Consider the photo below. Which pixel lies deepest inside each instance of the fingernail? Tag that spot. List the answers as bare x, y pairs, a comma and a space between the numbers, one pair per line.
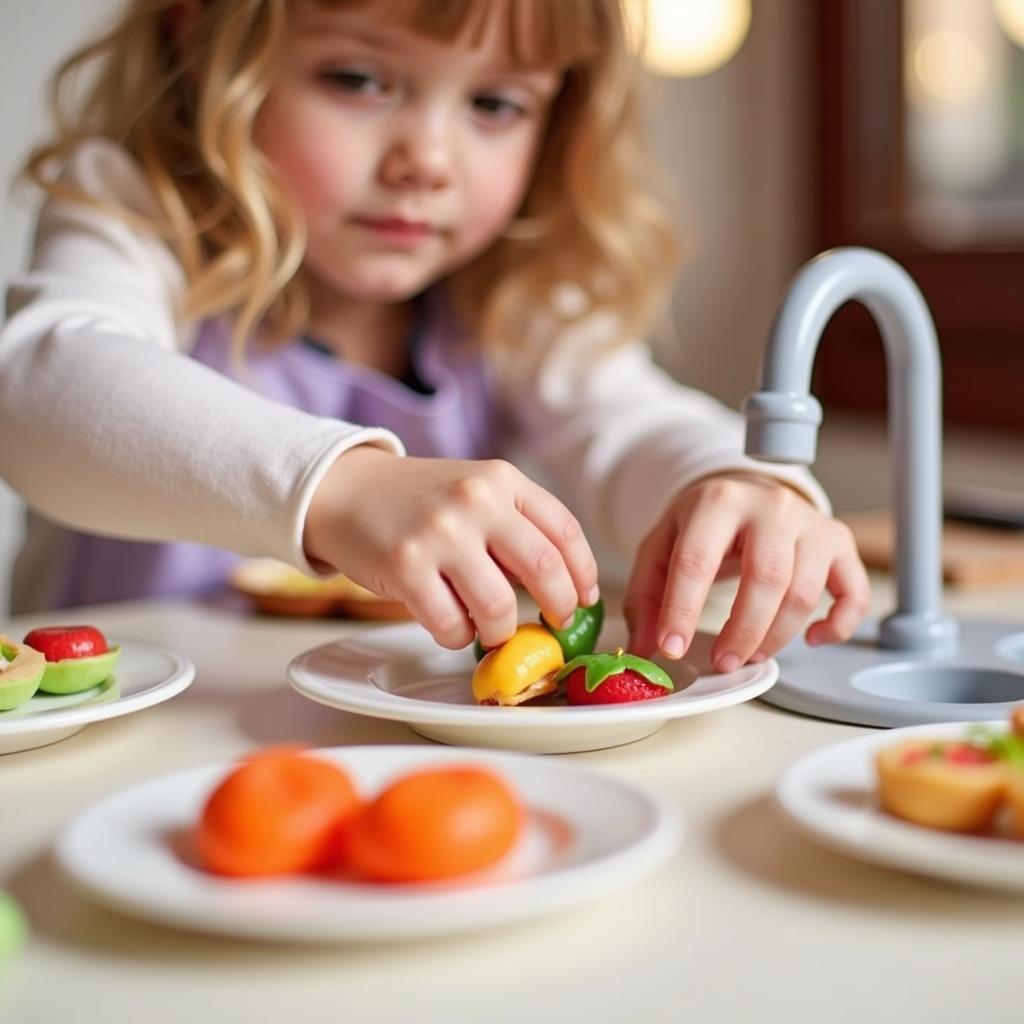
728, 662
568, 622
593, 595
673, 646
757, 657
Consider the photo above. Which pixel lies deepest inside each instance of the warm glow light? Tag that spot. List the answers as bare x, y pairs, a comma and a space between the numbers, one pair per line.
950, 67
689, 37
1010, 15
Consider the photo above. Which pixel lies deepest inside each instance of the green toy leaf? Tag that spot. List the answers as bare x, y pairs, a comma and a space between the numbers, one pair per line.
1007, 746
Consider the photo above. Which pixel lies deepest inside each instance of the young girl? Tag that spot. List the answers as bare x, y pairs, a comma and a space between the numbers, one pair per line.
307, 267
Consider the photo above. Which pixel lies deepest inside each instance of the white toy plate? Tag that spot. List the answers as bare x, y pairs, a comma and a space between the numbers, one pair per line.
400, 673
587, 835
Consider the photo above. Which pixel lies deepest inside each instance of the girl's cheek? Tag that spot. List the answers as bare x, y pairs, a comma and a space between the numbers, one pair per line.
313, 166
317, 180
495, 206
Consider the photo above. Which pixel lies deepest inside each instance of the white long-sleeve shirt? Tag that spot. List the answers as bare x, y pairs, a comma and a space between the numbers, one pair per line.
108, 426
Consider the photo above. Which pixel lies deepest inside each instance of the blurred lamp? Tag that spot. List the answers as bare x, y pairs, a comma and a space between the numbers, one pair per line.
949, 67
686, 38
1010, 15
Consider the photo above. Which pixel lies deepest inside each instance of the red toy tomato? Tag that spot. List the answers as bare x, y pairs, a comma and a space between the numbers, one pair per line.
56, 643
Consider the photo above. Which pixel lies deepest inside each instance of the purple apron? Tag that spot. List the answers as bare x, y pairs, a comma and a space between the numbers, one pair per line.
443, 409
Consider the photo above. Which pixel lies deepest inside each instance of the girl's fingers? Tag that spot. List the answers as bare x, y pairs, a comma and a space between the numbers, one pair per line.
800, 600
526, 553
433, 604
486, 594
646, 588
697, 554
768, 556
563, 530
848, 583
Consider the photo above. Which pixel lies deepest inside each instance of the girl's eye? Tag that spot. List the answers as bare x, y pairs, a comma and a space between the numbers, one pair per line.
498, 109
359, 83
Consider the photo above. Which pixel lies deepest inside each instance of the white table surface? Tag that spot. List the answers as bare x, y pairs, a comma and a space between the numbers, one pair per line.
750, 922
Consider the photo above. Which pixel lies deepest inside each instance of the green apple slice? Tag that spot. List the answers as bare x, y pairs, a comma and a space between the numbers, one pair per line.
21, 671
13, 927
73, 675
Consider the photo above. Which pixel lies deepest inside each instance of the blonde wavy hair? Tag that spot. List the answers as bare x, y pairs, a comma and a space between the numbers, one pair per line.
594, 213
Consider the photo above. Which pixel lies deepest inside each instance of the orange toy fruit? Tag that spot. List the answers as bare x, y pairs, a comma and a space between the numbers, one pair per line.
279, 812
434, 824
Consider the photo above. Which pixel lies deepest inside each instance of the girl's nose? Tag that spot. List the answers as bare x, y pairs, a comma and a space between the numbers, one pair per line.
419, 157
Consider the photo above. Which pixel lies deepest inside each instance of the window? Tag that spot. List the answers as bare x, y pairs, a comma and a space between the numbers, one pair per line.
921, 132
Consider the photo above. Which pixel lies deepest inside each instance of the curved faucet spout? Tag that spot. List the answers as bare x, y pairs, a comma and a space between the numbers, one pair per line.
783, 417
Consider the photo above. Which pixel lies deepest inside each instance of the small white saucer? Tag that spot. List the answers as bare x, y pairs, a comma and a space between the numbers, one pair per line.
831, 796
400, 673
144, 676
587, 835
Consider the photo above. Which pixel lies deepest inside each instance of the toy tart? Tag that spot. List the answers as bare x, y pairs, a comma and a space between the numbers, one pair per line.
1014, 795
1009, 747
954, 786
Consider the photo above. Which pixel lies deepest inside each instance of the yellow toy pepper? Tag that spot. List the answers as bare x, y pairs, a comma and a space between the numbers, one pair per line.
520, 669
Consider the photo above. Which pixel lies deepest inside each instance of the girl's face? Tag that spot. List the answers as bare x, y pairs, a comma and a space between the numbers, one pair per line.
408, 156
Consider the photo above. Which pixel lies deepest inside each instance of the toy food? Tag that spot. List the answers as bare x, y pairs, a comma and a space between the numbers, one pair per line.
21, 671
434, 824
955, 786
1009, 748
1014, 796
13, 927
520, 669
580, 636
278, 589
617, 678
77, 657
280, 812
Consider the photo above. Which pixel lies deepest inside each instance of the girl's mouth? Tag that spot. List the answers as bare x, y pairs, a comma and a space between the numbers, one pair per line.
397, 230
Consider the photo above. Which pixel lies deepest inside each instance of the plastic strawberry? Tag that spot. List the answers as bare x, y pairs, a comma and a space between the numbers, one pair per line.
617, 678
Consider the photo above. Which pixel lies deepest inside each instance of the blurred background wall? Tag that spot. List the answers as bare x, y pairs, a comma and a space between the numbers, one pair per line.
33, 37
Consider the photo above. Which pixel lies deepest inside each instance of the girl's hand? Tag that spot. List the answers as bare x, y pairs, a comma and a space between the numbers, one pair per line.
787, 554
444, 536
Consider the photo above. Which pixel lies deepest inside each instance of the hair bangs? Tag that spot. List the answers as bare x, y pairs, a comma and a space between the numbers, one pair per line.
540, 33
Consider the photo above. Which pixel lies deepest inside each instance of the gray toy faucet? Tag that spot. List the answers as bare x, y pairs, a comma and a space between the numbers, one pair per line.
918, 665
783, 418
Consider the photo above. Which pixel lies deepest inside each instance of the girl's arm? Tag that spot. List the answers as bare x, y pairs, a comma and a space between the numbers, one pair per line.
620, 435
659, 468
108, 426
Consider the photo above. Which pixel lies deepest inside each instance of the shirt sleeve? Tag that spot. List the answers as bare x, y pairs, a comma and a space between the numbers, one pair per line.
108, 426
620, 435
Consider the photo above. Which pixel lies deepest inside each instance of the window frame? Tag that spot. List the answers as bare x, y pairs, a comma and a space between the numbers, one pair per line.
976, 294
